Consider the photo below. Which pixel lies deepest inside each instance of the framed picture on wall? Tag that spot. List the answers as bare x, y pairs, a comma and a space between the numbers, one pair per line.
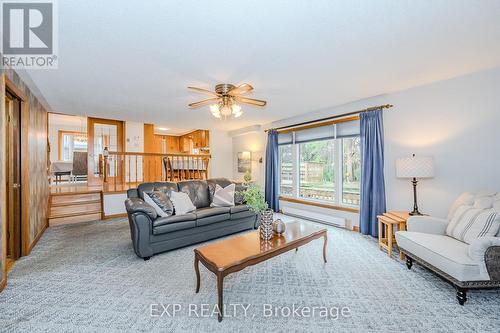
244, 162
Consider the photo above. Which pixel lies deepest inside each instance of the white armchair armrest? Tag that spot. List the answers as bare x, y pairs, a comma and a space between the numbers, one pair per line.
427, 224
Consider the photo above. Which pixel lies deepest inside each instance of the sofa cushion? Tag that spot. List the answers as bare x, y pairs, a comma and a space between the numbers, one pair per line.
173, 219
239, 208
213, 219
197, 190
211, 211
445, 253
170, 227
241, 215
165, 187
470, 223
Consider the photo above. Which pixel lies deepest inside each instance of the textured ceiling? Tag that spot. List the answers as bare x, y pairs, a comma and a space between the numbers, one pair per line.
133, 60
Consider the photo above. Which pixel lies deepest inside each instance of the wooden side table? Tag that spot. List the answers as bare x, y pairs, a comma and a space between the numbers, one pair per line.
386, 223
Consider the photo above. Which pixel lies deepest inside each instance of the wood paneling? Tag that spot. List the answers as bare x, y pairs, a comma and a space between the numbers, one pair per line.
34, 173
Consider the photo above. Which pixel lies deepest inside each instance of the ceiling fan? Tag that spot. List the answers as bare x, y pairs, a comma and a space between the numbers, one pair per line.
226, 96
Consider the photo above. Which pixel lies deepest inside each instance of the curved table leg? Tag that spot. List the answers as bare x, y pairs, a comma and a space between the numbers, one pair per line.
325, 237
220, 288
197, 270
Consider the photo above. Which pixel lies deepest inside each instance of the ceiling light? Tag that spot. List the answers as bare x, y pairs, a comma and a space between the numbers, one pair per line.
162, 128
214, 110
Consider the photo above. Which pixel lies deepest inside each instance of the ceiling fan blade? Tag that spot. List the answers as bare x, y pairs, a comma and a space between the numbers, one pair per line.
204, 91
251, 101
205, 101
241, 89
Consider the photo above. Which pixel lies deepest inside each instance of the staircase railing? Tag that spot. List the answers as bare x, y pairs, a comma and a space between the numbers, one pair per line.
135, 168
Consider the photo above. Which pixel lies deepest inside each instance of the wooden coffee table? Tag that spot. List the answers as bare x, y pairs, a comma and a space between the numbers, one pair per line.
234, 254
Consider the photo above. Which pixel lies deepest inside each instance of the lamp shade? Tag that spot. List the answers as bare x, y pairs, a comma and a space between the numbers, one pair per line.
415, 167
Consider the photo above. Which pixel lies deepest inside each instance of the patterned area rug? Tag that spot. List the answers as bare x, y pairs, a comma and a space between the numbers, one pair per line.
85, 277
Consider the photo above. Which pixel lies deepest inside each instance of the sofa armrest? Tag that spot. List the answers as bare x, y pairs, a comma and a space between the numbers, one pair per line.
137, 205
427, 225
486, 250
140, 216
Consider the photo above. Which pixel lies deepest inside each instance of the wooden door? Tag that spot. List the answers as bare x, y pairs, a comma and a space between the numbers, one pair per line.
104, 133
13, 175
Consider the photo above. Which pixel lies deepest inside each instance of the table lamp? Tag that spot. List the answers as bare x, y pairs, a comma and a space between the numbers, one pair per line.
415, 167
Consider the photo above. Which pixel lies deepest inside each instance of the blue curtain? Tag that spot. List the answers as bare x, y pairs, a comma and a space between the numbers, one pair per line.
272, 170
372, 171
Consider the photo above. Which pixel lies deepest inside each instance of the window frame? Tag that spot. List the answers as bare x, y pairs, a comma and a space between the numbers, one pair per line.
337, 203
60, 143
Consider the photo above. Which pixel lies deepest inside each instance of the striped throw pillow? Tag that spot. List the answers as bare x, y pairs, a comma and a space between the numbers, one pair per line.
469, 223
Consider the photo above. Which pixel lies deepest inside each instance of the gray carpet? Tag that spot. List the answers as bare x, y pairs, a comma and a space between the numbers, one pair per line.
85, 278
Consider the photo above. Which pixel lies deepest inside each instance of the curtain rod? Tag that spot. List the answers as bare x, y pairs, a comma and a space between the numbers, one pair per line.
385, 106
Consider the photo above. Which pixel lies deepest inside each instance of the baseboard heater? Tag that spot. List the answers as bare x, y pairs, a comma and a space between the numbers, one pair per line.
315, 217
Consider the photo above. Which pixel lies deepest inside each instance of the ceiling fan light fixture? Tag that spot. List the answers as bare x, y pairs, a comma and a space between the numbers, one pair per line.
227, 95
226, 110
214, 110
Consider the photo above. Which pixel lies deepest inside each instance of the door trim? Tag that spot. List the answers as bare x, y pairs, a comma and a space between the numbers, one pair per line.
120, 133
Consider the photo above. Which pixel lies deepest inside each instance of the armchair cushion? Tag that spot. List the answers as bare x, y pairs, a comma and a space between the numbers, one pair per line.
427, 224
445, 253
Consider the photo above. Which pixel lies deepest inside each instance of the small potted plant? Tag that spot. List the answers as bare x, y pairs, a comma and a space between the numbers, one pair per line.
255, 201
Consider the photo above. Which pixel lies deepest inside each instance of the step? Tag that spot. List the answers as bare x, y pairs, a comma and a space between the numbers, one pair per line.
75, 203
61, 199
74, 219
71, 210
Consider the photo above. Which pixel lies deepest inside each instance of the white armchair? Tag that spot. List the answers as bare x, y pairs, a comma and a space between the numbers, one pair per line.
466, 266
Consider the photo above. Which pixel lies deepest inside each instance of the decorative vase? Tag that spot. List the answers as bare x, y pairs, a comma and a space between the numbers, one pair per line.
266, 224
279, 227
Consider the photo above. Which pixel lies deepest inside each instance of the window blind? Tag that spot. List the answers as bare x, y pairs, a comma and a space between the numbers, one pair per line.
285, 138
348, 129
332, 131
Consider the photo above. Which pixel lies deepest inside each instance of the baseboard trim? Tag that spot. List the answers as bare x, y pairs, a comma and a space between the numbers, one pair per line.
114, 216
37, 238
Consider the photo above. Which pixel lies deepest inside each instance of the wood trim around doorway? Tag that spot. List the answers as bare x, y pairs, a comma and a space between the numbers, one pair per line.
3, 189
13, 89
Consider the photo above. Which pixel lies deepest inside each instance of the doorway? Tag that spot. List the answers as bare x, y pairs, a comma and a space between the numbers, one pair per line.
13, 176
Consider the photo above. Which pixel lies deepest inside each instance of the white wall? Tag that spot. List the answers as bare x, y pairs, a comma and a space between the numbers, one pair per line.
221, 149
134, 143
456, 121
254, 142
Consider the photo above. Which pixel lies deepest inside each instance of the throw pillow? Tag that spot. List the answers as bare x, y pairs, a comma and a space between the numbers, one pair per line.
182, 203
160, 202
466, 198
239, 198
470, 223
223, 197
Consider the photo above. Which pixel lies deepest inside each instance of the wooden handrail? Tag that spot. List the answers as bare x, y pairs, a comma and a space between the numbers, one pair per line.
158, 154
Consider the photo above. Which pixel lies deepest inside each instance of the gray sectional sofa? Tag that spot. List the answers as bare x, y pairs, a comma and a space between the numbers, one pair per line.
152, 234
